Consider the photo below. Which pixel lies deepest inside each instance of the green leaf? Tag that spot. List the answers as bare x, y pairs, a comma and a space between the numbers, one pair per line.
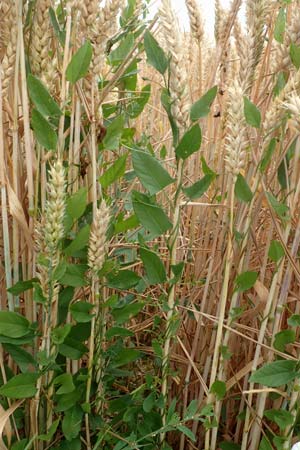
276, 251
20, 386
187, 432
280, 208
22, 286
80, 62
206, 169
122, 315
127, 224
191, 410
59, 334
51, 432
177, 270
294, 320
279, 28
246, 280
79, 242
219, 389
19, 445
275, 374
81, 311
76, 204
265, 444
149, 402
150, 172
252, 113
114, 172
282, 338
71, 424
38, 295
126, 356
61, 34
155, 54
136, 106
199, 188
190, 142
150, 215
155, 269
13, 325
118, 55
118, 331
267, 155
43, 131
65, 381
242, 190
74, 275
41, 98
280, 442
125, 279
21, 357
60, 270
295, 55
114, 133
202, 107
66, 401
282, 418
72, 348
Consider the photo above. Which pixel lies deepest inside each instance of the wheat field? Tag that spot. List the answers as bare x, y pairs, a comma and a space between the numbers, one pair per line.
149, 238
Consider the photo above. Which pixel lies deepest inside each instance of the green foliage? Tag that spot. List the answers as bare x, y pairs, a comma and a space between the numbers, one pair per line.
155, 269
246, 280
295, 55
150, 171
280, 26
13, 324
219, 389
190, 142
117, 56
294, 320
275, 374
41, 98
242, 190
114, 172
114, 133
199, 188
20, 386
155, 55
282, 418
79, 64
276, 251
150, 214
201, 108
284, 337
43, 131
252, 113
280, 208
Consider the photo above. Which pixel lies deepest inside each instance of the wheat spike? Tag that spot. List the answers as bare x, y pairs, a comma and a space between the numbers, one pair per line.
236, 126
8, 42
43, 59
55, 208
97, 243
178, 75
195, 20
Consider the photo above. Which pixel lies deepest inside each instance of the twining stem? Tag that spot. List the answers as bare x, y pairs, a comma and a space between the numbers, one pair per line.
171, 296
